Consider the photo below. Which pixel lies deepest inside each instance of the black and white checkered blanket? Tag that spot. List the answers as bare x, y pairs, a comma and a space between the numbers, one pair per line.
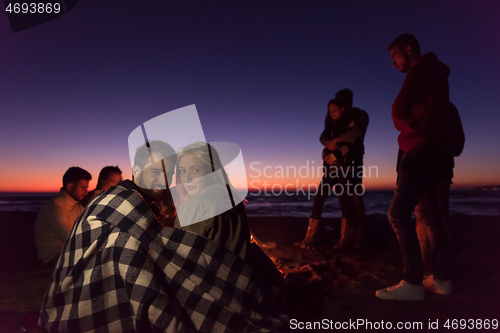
121, 271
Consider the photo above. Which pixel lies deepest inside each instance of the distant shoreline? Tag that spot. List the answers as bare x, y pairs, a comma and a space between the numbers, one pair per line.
368, 189
480, 201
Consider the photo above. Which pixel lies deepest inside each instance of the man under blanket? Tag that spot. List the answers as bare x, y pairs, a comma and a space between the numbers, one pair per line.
121, 271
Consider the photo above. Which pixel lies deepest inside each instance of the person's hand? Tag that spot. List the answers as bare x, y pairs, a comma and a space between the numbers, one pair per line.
417, 109
416, 115
167, 206
344, 150
332, 144
330, 159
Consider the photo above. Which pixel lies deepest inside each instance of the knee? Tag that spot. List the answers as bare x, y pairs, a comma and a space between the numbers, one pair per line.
394, 216
324, 190
343, 200
358, 200
346, 202
419, 215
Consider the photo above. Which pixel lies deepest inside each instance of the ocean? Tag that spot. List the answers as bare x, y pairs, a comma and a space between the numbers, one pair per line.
470, 202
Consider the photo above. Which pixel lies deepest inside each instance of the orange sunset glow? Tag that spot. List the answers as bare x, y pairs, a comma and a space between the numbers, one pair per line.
261, 177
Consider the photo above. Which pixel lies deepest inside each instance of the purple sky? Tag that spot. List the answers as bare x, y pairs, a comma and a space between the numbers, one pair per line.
259, 72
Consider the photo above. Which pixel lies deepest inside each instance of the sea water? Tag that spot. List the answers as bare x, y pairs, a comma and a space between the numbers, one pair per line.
470, 202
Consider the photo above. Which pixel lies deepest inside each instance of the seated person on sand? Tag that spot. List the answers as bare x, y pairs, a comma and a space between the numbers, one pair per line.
109, 176
121, 271
206, 208
205, 199
57, 216
202, 197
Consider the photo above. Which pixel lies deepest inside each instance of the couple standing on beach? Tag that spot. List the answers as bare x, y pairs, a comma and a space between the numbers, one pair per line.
342, 138
431, 135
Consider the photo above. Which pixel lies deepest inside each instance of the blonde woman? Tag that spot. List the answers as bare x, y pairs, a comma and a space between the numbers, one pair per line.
207, 197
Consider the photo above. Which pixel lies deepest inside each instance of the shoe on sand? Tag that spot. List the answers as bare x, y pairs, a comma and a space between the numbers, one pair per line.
403, 291
437, 286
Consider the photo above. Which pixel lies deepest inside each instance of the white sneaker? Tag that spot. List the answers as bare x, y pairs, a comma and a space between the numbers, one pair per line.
438, 286
403, 291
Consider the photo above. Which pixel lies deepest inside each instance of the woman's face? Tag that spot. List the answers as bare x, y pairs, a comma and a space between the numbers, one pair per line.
192, 170
335, 111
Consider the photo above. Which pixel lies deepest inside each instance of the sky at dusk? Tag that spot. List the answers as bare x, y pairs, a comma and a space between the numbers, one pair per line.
259, 72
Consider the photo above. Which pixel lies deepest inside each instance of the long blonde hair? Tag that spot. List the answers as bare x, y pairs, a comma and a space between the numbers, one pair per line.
210, 158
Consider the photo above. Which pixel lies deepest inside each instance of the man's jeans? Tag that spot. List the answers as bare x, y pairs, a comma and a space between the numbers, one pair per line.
417, 185
428, 234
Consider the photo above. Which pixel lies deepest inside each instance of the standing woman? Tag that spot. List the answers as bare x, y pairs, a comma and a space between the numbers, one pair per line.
336, 160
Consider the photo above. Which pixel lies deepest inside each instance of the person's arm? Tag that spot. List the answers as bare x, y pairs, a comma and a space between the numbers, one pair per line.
357, 128
350, 135
60, 222
325, 137
327, 141
414, 87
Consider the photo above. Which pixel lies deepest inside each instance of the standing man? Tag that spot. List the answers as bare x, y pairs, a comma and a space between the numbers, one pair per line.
57, 216
420, 113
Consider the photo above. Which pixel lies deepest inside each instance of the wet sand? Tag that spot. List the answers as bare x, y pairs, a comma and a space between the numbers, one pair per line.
338, 286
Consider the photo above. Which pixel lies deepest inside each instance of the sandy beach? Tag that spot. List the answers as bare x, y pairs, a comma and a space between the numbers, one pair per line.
341, 286
336, 286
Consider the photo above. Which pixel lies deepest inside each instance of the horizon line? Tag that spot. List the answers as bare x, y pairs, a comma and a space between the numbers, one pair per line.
269, 191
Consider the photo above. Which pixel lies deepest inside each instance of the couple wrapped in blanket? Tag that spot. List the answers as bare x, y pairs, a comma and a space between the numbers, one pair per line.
122, 271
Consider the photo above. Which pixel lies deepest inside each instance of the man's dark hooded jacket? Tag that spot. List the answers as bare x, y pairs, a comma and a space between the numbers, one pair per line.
419, 111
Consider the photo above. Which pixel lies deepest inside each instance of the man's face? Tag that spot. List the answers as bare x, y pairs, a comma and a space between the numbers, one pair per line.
152, 179
78, 190
400, 58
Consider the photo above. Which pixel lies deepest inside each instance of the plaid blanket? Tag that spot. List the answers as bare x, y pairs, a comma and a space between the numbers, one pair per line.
121, 271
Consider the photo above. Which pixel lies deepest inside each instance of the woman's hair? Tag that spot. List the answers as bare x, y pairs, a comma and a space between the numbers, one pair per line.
105, 174
340, 103
210, 158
